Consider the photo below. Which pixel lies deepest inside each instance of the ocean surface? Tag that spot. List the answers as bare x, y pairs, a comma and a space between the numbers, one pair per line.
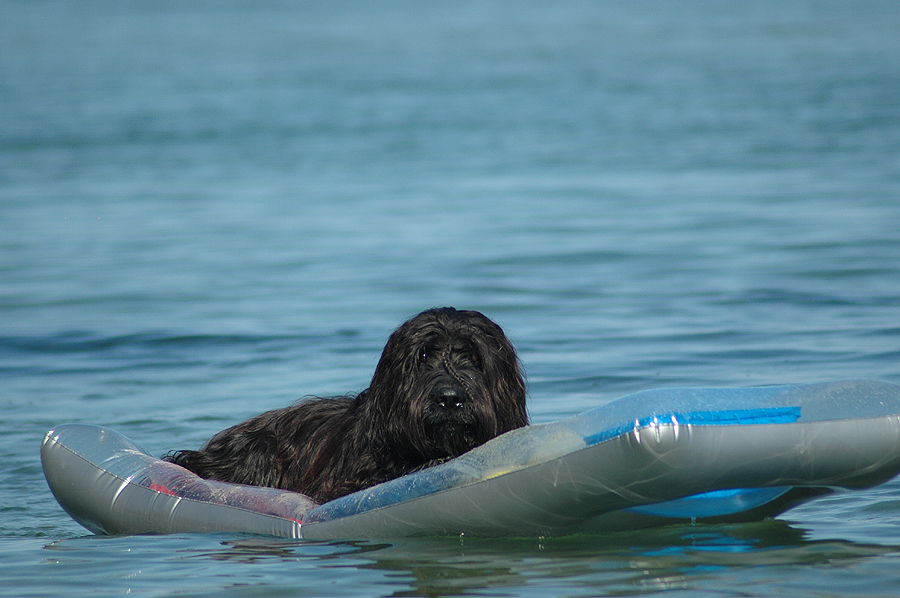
211, 209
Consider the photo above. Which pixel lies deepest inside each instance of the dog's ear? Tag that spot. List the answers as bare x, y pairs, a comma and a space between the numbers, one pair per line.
391, 405
503, 374
397, 365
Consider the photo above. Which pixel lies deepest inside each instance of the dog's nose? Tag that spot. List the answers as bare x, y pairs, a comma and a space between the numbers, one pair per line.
450, 397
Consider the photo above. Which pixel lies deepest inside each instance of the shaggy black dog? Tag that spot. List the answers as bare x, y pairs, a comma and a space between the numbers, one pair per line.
446, 382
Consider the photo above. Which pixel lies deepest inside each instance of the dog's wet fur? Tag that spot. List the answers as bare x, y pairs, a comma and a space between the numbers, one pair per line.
447, 381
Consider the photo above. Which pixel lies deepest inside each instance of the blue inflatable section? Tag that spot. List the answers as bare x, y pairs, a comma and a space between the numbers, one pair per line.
651, 458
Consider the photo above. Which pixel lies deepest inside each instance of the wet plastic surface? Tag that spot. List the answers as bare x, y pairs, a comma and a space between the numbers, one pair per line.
648, 458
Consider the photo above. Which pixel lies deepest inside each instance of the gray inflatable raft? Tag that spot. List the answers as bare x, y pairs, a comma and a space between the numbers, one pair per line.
651, 458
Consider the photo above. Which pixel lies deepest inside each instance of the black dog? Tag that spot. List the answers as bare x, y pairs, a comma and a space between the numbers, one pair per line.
446, 382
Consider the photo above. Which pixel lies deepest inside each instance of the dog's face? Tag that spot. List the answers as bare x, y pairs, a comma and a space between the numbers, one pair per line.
447, 382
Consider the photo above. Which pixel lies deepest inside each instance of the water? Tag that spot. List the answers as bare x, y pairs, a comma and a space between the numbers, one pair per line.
212, 209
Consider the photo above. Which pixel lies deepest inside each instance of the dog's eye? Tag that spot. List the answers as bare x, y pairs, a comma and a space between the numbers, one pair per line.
471, 354
423, 355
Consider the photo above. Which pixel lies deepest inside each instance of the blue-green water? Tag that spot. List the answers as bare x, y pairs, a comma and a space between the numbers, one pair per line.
209, 209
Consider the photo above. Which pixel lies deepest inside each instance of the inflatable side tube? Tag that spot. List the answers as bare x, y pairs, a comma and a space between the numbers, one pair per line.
110, 486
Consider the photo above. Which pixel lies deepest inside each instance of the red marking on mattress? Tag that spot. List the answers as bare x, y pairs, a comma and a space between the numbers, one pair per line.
160, 488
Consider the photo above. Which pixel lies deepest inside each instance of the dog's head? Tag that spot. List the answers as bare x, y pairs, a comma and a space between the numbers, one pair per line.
447, 381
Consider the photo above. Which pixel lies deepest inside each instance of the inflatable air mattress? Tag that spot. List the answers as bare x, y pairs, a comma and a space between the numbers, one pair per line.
655, 457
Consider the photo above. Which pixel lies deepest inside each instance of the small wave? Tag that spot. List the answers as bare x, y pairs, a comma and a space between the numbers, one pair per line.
85, 342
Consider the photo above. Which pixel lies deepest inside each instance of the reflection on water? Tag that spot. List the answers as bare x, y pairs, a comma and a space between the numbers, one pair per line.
633, 563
